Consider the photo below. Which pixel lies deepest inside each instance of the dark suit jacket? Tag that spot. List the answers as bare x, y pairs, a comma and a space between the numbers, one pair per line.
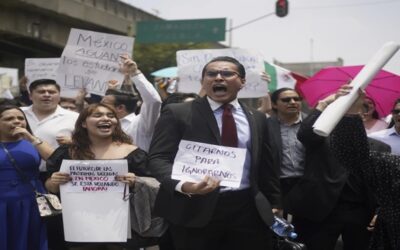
195, 121
318, 191
274, 135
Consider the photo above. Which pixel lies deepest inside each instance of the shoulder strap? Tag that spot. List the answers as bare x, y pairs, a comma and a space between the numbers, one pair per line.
19, 170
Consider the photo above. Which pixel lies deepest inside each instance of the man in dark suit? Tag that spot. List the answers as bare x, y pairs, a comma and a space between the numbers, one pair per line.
204, 215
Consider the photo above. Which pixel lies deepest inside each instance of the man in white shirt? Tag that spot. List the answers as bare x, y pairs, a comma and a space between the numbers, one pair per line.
391, 136
49, 121
139, 127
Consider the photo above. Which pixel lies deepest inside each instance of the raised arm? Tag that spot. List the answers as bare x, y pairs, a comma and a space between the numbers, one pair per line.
150, 109
44, 149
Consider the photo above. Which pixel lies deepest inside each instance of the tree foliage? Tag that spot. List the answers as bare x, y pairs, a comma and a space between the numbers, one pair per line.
152, 57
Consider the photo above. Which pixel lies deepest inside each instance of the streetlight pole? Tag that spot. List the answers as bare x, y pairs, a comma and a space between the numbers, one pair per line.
230, 32
244, 24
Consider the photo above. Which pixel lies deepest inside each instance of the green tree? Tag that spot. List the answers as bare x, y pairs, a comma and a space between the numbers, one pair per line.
152, 57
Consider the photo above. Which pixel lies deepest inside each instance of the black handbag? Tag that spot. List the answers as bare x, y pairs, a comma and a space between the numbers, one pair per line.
286, 244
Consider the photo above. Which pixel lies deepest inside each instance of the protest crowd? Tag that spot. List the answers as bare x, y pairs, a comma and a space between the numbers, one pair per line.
137, 164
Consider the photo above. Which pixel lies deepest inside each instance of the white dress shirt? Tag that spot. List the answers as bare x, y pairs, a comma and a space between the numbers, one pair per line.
390, 137
141, 127
61, 122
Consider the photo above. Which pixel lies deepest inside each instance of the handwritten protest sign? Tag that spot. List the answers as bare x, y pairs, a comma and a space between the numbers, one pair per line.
41, 68
195, 160
191, 62
90, 59
93, 205
93, 178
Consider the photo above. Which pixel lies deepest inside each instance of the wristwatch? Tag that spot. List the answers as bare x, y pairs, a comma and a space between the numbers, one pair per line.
37, 142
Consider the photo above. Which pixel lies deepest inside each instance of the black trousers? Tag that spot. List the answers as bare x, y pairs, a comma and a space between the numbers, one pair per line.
286, 185
349, 220
235, 225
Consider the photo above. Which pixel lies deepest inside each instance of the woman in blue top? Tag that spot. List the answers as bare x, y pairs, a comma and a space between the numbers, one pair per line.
21, 227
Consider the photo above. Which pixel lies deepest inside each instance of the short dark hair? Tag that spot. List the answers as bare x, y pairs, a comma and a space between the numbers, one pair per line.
178, 97
124, 98
5, 101
39, 82
242, 71
276, 93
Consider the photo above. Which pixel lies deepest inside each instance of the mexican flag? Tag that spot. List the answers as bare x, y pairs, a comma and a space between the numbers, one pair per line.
281, 77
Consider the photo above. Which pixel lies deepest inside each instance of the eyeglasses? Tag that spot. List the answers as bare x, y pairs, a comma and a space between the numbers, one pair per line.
224, 73
288, 99
396, 111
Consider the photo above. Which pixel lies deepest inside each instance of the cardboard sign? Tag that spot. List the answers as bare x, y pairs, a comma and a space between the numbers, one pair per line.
191, 63
90, 59
93, 206
41, 68
195, 160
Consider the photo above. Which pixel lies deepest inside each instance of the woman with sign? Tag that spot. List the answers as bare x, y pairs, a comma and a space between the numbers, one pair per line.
97, 136
20, 154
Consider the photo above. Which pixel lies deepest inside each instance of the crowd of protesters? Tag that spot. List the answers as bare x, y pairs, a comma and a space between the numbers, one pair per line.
342, 185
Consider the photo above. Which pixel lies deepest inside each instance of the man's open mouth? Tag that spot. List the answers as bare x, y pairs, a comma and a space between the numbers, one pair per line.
220, 88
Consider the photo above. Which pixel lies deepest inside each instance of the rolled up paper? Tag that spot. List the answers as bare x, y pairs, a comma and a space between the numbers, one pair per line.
328, 120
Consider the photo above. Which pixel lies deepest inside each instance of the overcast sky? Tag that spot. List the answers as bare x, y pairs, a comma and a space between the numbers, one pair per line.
314, 30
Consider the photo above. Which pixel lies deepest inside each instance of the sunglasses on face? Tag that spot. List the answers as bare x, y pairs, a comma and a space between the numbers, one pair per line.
222, 73
395, 111
288, 99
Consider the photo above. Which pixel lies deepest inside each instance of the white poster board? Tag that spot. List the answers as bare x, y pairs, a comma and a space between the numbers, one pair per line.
8, 80
195, 160
90, 59
93, 205
41, 68
191, 62
12, 74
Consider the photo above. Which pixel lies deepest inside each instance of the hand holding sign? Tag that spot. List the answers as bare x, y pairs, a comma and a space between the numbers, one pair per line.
128, 178
342, 91
113, 84
207, 185
197, 162
57, 179
357, 107
128, 66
